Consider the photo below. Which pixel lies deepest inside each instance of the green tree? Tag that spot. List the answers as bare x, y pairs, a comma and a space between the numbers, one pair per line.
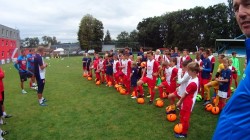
31, 42
51, 40
90, 33
107, 38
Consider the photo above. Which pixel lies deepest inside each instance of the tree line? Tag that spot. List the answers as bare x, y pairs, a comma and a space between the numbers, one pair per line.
32, 42
185, 28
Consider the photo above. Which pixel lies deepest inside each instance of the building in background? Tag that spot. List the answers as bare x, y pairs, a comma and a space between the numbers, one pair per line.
9, 44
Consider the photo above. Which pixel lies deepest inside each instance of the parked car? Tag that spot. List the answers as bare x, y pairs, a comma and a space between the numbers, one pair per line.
81, 52
91, 51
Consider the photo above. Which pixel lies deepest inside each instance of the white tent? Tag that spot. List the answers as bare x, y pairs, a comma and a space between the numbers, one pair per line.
59, 50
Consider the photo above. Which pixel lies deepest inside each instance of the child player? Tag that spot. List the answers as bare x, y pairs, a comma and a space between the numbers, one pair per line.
116, 69
171, 76
205, 73
187, 100
100, 70
84, 64
30, 65
224, 81
134, 77
234, 75
183, 79
109, 70
88, 65
149, 76
126, 71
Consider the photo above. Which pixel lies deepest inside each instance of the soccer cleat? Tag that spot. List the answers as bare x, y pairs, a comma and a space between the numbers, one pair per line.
133, 97
44, 100
206, 102
4, 133
148, 96
43, 104
24, 92
180, 135
171, 112
7, 116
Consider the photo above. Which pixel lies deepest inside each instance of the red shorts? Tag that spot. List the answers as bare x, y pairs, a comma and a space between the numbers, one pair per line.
151, 82
204, 82
234, 75
169, 88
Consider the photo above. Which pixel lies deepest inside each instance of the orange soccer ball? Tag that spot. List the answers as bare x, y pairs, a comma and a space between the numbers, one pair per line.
143, 64
89, 78
208, 107
171, 117
215, 110
98, 82
116, 85
168, 109
159, 103
109, 83
178, 128
140, 100
122, 91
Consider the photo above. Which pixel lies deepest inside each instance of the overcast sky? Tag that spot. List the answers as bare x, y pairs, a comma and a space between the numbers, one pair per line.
61, 18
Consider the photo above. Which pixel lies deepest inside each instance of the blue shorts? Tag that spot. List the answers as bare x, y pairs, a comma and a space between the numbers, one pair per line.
40, 84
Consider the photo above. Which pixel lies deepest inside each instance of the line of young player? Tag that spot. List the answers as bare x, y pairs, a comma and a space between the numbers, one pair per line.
182, 77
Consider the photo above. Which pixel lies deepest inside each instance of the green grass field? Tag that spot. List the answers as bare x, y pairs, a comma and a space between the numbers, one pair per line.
78, 109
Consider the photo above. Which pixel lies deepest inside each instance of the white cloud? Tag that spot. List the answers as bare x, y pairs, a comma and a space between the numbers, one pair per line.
61, 18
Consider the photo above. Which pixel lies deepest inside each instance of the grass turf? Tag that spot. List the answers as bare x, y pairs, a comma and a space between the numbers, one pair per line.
78, 109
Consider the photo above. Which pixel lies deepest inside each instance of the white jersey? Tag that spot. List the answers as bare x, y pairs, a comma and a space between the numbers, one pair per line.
124, 63
42, 71
168, 73
183, 79
165, 58
100, 64
196, 81
114, 65
199, 62
150, 67
157, 56
178, 62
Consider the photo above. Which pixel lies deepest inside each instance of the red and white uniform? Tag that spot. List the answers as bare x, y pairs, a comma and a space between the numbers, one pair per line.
171, 76
212, 59
157, 58
188, 103
178, 65
198, 61
152, 67
116, 70
165, 58
184, 58
126, 71
100, 65
183, 79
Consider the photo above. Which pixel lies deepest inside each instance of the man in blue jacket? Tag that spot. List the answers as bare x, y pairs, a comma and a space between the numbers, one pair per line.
234, 121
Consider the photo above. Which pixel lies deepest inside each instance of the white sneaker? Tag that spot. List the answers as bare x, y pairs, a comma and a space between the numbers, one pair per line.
34, 87
23, 91
133, 97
